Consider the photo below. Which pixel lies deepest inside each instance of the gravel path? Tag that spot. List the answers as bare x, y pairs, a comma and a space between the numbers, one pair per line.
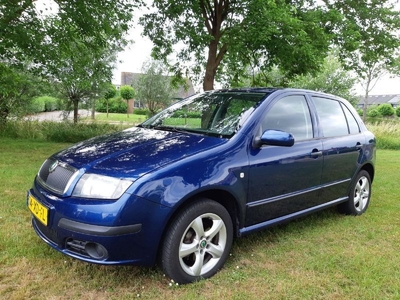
57, 116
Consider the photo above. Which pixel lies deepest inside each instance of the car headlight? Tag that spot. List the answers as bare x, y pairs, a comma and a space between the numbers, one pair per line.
100, 187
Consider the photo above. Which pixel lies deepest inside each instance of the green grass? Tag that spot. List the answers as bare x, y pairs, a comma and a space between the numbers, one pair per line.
118, 118
387, 134
322, 256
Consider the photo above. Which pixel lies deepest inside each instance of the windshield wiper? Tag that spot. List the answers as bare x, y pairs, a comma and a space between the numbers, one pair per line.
168, 128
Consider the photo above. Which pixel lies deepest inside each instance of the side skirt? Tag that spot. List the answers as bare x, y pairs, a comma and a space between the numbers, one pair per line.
287, 218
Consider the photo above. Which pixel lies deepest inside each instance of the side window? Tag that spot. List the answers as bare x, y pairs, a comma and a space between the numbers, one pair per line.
331, 117
351, 121
290, 114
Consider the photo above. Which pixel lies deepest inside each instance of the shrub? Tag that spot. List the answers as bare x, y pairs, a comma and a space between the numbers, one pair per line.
385, 110
373, 113
55, 131
141, 111
360, 112
115, 105
51, 103
398, 111
187, 114
37, 105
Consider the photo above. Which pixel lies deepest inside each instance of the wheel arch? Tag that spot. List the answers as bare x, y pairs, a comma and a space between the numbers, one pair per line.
370, 169
223, 197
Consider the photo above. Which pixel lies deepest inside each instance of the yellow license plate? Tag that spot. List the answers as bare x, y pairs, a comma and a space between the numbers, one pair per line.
39, 211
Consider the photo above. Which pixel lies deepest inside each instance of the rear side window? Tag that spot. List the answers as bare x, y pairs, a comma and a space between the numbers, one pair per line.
331, 116
353, 125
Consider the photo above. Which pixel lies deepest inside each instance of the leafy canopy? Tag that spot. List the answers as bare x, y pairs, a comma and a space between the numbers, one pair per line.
293, 34
153, 87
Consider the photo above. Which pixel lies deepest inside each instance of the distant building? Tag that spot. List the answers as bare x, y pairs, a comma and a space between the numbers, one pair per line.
393, 100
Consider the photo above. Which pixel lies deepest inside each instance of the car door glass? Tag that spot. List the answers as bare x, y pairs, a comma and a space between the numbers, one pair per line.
351, 121
331, 117
290, 114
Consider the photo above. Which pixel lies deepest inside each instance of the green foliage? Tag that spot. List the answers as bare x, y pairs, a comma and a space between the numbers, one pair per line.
110, 91
51, 103
331, 78
54, 131
115, 105
368, 35
238, 34
43, 103
373, 113
386, 110
17, 87
127, 92
398, 111
141, 111
368, 38
97, 23
75, 44
37, 105
187, 114
153, 87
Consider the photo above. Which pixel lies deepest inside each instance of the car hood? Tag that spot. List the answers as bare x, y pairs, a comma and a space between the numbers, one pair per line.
134, 152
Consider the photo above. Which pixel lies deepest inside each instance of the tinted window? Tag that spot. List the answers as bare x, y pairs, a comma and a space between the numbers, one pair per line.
331, 117
353, 125
290, 114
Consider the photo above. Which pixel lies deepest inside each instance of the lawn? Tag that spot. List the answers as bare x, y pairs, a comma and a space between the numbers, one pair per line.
131, 119
322, 256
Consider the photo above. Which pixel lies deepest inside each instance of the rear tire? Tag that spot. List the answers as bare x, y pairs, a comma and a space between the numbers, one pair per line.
198, 242
359, 196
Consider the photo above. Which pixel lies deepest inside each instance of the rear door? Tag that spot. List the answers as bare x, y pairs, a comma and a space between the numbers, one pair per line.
342, 141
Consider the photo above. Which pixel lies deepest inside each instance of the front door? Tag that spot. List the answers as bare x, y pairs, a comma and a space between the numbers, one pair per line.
284, 180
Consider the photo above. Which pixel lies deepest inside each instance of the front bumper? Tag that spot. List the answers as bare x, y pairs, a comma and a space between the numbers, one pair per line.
127, 231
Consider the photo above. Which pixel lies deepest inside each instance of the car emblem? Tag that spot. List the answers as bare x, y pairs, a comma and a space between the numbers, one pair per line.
53, 166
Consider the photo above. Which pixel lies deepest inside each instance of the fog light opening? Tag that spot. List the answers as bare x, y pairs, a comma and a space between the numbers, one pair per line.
96, 251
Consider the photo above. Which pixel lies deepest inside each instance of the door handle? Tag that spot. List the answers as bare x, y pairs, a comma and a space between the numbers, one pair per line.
358, 146
315, 153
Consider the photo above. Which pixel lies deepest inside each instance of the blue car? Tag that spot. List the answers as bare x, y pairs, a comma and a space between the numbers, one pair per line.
178, 188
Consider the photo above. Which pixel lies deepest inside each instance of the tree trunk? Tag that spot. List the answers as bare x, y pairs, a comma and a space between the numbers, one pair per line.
3, 116
93, 109
107, 108
76, 102
211, 67
366, 98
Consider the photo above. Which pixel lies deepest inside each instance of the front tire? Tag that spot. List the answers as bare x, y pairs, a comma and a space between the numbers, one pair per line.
198, 242
359, 196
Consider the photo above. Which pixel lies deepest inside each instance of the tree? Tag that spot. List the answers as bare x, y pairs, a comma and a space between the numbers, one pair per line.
332, 79
75, 45
109, 93
18, 87
80, 70
127, 92
22, 33
368, 38
154, 87
292, 34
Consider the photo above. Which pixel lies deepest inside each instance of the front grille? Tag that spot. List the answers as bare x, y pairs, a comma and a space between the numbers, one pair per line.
55, 175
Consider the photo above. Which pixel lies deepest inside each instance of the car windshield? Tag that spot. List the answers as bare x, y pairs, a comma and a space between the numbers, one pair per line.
212, 113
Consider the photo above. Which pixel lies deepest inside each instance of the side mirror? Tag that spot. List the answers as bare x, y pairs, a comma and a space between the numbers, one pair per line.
274, 138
